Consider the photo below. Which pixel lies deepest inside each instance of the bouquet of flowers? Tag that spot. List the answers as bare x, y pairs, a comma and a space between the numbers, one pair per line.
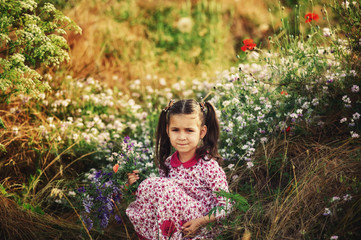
108, 187
128, 160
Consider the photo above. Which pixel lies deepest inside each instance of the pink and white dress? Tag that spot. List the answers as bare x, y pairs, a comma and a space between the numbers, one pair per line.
164, 203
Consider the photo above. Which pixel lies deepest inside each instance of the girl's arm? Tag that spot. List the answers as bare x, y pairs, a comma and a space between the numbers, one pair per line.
216, 180
191, 227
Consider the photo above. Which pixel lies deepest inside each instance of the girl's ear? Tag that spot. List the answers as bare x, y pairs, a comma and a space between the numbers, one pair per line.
203, 131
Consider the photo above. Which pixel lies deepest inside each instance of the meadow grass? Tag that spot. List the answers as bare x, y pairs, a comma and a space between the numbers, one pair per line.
143, 59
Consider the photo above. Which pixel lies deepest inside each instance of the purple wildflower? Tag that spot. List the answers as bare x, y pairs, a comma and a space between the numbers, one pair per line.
81, 190
104, 219
126, 139
87, 203
118, 219
355, 88
327, 212
329, 80
109, 204
88, 222
98, 175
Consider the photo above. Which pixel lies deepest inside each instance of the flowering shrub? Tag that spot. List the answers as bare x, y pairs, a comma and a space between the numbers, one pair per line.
253, 111
99, 119
31, 35
285, 92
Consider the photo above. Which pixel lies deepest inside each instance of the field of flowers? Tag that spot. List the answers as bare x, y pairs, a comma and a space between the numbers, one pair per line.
288, 100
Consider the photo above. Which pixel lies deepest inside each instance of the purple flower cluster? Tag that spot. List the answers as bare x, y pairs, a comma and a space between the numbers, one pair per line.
99, 199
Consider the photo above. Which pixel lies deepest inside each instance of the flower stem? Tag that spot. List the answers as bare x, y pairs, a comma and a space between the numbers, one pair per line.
125, 227
82, 222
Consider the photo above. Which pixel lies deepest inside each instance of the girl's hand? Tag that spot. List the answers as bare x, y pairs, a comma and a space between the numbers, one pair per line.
191, 227
133, 177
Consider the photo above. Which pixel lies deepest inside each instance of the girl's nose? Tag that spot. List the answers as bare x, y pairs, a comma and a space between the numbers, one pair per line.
182, 136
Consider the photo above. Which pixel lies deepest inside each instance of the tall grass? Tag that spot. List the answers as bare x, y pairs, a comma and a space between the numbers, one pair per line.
294, 183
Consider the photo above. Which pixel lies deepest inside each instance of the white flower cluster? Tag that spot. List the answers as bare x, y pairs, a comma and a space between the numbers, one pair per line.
48, 7
28, 5
17, 58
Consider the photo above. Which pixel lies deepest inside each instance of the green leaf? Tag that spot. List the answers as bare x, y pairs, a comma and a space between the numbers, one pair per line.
2, 148
3, 191
2, 125
38, 210
240, 202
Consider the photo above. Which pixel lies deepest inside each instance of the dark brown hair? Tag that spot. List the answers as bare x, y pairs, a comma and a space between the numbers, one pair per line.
208, 117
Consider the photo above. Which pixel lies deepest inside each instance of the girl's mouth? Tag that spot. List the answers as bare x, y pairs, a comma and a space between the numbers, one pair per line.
182, 144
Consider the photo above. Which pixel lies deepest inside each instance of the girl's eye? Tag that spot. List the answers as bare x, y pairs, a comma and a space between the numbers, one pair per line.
174, 130
190, 130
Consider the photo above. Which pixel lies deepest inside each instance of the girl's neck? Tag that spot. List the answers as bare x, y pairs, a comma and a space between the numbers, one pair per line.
185, 157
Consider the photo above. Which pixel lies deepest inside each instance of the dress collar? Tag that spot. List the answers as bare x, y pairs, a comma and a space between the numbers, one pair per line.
175, 162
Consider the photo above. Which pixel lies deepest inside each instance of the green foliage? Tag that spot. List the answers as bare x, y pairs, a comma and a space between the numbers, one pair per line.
21, 201
240, 203
190, 32
30, 36
2, 125
349, 13
3, 191
35, 209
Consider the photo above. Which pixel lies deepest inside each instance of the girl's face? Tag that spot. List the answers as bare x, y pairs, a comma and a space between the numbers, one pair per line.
185, 132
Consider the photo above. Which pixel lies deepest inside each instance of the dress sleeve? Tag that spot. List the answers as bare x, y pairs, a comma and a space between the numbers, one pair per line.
216, 180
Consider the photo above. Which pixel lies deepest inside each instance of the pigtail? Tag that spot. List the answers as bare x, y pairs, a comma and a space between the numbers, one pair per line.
162, 145
210, 140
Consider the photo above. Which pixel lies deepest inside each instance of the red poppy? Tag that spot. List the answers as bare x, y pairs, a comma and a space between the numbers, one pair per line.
168, 228
284, 92
116, 167
288, 129
248, 44
311, 16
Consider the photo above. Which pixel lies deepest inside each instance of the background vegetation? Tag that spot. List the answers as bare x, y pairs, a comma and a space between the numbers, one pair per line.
289, 110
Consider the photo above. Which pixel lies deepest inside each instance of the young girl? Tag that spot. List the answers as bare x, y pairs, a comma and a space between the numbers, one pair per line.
176, 205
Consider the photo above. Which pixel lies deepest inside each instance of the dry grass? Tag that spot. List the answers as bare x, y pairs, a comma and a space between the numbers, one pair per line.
21, 140
29, 163
19, 224
16, 223
290, 201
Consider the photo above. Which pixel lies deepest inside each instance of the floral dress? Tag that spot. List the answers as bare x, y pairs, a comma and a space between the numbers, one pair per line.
165, 203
